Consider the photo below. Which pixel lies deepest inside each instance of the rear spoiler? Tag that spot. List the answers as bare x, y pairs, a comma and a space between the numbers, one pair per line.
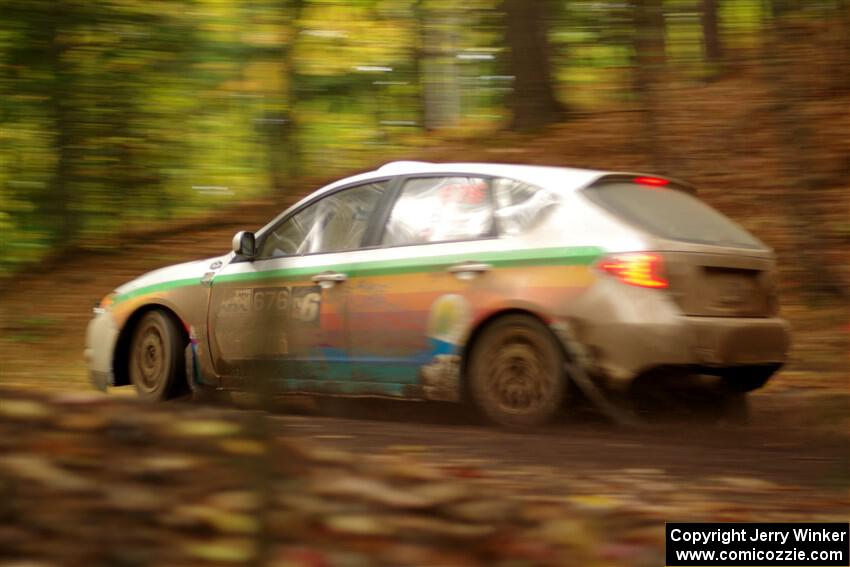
645, 179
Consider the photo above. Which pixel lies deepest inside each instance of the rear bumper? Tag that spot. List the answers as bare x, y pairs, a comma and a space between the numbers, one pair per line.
623, 350
101, 335
628, 331
736, 341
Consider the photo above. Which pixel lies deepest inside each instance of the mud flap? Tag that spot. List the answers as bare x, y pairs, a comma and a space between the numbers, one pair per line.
441, 379
193, 375
101, 380
576, 365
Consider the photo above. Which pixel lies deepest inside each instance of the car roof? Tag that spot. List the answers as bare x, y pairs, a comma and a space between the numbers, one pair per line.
564, 178
555, 178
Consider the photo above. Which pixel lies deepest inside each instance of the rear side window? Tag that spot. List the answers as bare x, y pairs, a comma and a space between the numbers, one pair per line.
441, 209
671, 214
520, 206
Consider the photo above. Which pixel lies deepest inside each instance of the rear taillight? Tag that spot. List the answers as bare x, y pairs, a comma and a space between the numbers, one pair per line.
643, 269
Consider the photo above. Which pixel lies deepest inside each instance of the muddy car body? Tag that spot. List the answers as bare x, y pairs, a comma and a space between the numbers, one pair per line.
456, 282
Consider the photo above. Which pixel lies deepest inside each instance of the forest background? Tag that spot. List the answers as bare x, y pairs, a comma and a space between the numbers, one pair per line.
125, 121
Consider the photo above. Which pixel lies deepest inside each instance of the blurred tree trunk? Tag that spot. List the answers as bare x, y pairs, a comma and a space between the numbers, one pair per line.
282, 125
58, 202
533, 101
418, 56
779, 8
291, 126
650, 48
650, 36
842, 75
437, 65
711, 32
790, 90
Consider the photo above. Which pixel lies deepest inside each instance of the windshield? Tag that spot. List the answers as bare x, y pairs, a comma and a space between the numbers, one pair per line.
671, 214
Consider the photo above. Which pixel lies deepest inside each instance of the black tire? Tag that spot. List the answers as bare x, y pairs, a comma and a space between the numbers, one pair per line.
156, 357
516, 372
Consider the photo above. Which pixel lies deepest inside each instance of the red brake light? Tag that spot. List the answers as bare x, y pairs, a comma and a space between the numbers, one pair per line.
651, 181
643, 269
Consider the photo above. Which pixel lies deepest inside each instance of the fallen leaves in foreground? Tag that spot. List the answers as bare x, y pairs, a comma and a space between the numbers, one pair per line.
105, 481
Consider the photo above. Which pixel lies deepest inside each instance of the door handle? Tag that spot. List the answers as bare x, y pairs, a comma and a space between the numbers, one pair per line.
328, 279
469, 268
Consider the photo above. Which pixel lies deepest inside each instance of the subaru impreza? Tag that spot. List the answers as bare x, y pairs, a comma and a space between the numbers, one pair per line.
500, 285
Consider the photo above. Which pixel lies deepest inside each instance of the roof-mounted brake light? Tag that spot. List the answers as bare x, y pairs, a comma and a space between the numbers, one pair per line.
651, 181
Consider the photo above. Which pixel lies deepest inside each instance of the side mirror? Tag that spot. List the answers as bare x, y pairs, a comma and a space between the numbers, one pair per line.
244, 245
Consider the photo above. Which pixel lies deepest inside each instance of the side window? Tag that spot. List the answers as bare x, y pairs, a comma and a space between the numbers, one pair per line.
441, 209
333, 224
519, 206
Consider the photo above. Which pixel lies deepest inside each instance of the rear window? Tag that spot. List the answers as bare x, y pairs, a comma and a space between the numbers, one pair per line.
671, 214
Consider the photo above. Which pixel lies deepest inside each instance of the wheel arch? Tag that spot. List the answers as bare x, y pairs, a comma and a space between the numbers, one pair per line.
121, 355
478, 329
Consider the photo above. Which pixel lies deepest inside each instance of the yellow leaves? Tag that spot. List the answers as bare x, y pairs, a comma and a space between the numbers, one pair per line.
43, 471
370, 490
491, 510
410, 448
235, 500
225, 521
319, 454
357, 525
373, 525
746, 483
401, 467
23, 409
439, 493
246, 447
567, 531
172, 463
596, 501
434, 527
125, 496
224, 550
205, 428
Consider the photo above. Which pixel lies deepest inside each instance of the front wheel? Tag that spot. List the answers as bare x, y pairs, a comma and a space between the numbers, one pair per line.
516, 372
156, 357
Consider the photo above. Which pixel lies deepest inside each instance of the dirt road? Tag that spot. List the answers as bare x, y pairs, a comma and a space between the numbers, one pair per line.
764, 450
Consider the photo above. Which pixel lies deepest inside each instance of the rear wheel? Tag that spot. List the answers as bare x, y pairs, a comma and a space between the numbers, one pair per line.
156, 357
516, 372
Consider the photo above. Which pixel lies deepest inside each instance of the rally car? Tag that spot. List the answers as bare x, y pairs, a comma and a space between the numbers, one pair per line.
501, 285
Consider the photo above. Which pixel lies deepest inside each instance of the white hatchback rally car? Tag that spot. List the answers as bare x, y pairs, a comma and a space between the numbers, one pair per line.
498, 284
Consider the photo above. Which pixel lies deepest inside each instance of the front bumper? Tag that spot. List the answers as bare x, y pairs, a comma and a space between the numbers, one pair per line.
101, 336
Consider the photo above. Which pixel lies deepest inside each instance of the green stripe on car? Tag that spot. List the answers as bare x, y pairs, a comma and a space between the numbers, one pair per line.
559, 256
